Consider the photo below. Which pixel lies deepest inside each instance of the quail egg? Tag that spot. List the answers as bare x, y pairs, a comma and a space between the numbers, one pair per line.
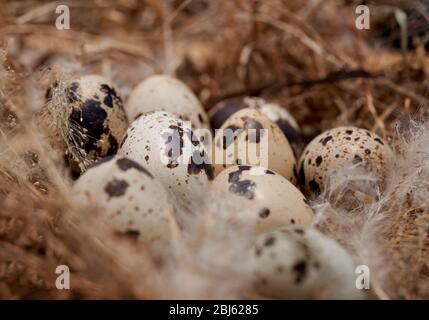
287, 123
131, 200
165, 93
97, 120
250, 138
340, 147
167, 146
274, 201
302, 263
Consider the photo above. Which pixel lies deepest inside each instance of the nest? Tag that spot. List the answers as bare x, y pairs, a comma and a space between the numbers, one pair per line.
306, 55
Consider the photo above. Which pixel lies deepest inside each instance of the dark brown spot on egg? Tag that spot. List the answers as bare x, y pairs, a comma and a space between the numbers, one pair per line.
267, 171
291, 134
367, 151
235, 175
300, 269
111, 95
324, 141
243, 188
132, 234
200, 117
125, 164
299, 231
91, 117
116, 188
349, 132
269, 241
379, 141
264, 213
255, 133
357, 159
319, 160
226, 109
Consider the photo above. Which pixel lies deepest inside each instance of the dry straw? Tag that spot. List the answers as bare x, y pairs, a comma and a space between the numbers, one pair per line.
306, 55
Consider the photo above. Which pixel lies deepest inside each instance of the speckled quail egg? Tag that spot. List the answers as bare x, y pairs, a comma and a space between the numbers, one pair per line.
340, 147
165, 93
167, 146
250, 138
131, 200
96, 111
287, 123
274, 201
302, 263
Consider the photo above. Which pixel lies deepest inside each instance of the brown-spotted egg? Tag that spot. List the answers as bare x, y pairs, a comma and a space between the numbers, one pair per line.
273, 200
130, 199
302, 263
96, 111
168, 147
250, 138
165, 93
341, 147
280, 116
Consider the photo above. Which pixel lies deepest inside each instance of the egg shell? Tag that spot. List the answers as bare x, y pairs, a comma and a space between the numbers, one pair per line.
302, 263
274, 201
165, 145
280, 157
131, 201
165, 93
341, 147
280, 116
97, 110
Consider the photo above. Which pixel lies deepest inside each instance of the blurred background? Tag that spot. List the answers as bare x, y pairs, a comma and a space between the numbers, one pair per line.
306, 54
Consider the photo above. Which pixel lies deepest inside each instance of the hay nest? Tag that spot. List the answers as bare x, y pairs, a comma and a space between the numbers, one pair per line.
306, 55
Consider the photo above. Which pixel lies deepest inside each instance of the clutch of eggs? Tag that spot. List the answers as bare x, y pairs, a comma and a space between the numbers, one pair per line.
341, 147
250, 138
131, 200
268, 200
302, 263
165, 93
280, 116
165, 145
96, 117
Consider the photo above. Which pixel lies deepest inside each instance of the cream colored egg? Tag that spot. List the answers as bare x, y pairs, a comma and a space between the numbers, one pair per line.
164, 144
302, 263
280, 116
267, 198
250, 138
97, 120
130, 199
165, 93
339, 148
